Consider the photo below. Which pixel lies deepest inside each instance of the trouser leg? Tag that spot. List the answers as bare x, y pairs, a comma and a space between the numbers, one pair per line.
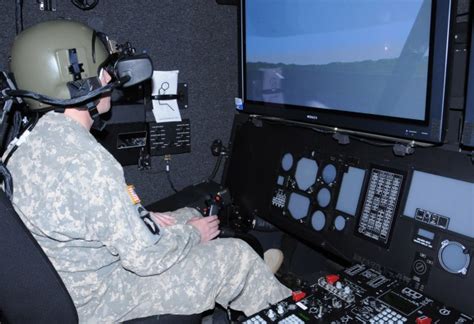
252, 287
226, 271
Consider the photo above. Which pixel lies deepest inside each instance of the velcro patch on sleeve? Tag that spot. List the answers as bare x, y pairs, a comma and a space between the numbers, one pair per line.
133, 195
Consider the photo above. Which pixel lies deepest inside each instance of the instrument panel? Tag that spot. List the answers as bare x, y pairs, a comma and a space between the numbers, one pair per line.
358, 295
412, 217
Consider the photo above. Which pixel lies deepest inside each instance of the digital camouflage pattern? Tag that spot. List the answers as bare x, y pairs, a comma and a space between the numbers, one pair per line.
71, 194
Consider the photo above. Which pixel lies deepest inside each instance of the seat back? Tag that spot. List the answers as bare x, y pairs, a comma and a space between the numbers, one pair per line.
31, 290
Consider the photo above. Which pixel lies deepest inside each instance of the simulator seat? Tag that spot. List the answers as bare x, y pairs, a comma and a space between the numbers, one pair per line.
31, 290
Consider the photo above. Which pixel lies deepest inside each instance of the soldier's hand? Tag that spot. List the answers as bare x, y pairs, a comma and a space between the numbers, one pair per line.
208, 227
163, 220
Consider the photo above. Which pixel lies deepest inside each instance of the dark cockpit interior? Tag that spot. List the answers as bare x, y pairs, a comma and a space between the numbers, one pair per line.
339, 132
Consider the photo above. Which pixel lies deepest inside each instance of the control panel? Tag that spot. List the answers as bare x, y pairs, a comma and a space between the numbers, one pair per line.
359, 294
380, 205
412, 216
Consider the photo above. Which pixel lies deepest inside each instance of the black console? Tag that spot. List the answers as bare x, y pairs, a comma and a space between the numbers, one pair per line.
411, 217
359, 294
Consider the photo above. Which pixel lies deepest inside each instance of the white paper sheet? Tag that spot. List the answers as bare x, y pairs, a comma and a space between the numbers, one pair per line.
165, 83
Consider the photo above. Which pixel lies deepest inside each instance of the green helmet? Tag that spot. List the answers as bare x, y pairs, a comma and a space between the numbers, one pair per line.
46, 56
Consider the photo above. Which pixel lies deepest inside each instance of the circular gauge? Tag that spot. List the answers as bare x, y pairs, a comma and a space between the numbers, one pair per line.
287, 161
318, 220
340, 223
324, 197
454, 257
329, 173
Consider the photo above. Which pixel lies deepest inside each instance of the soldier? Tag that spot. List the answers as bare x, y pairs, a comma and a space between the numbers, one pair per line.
117, 261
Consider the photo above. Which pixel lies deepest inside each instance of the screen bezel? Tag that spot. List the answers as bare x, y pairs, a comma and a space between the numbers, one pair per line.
431, 130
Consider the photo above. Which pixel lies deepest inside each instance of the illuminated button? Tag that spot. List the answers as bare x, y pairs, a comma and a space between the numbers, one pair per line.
423, 320
332, 278
298, 295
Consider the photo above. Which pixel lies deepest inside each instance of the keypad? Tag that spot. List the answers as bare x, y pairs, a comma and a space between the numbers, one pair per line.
255, 320
292, 319
388, 316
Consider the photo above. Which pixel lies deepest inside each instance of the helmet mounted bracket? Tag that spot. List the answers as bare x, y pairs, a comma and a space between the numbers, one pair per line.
81, 87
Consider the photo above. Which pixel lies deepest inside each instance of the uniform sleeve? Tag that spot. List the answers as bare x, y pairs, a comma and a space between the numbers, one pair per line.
109, 216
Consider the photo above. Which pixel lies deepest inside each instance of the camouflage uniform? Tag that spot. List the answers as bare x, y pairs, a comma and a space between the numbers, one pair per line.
72, 195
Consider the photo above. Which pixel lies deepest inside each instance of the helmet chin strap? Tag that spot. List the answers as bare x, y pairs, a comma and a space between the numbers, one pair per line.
81, 87
98, 123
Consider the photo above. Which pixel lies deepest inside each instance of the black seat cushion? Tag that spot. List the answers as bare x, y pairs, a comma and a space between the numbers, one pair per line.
31, 291
167, 319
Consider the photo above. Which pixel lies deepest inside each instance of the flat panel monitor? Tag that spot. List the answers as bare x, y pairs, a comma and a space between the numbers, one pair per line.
468, 128
375, 66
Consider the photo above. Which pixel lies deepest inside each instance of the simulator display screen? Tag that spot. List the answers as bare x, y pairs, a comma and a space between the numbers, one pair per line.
361, 56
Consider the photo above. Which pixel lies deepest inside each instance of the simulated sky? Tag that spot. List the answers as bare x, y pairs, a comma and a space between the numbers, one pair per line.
324, 31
